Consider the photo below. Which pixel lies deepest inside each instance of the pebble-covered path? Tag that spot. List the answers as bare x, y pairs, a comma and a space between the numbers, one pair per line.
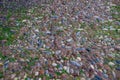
63, 41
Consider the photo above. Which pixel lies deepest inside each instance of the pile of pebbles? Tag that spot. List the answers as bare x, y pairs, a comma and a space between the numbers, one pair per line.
54, 46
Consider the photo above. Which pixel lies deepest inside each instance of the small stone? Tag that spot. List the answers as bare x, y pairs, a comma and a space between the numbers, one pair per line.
37, 30
78, 58
39, 79
54, 64
13, 75
92, 66
69, 40
117, 61
82, 79
24, 20
111, 64
117, 48
67, 69
15, 78
118, 68
62, 61
105, 75
58, 52
81, 49
36, 73
41, 71
1, 64
75, 63
97, 77
88, 49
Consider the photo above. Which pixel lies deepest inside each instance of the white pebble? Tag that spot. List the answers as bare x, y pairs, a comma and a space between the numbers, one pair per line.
40, 79
111, 63
62, 61
36, 30
92, 66
36, 73
78, 58
82, 79
54, 64
67, 69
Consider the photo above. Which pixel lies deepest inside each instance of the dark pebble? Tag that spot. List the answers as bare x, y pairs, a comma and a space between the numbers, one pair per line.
117, 61
118, 68
40, 43
97, 78
88, 49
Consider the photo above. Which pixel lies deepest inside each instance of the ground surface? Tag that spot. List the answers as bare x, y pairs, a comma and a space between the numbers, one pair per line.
65, 39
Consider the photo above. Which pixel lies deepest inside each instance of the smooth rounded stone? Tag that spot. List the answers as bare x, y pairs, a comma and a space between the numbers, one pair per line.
102, 54
81, 49
75, 63
114, 74
111, 64
67, 69
41, 72
105, 76
78, 58
13, 76
117, 48
117, 61
92, 66
25, 76
48, 32
54, 64
24, 20
88, 49
36, 73
69, 40
39, 79
36, 30
61, 61
82, 79
1, 63
6, 64
58, 52
96, 77
46, 72
118, 68
104, 70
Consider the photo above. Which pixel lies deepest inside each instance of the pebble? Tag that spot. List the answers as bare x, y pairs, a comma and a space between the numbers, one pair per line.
96, 77
36, 73
118, 68
81, 49
39, 79
78, 58
105, 76
67, 69
111, 64
117, 61
1, 64
58, 52
75, 63
69, 40
6, 64
92, 67
54, 64
36, 30
82, 79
